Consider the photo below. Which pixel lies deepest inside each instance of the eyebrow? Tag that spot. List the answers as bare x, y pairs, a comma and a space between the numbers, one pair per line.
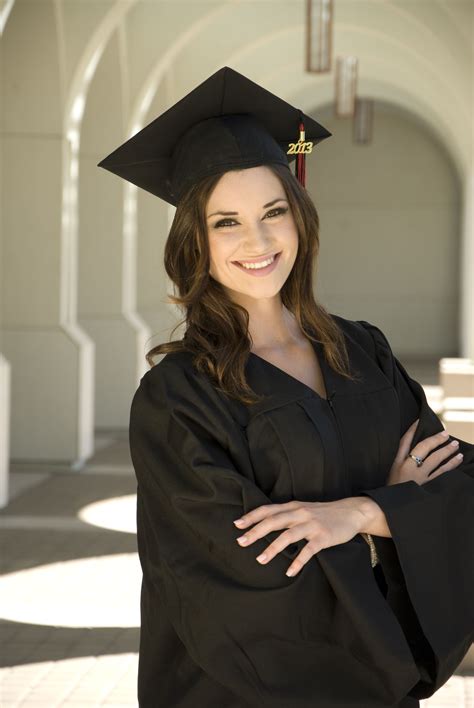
235, 213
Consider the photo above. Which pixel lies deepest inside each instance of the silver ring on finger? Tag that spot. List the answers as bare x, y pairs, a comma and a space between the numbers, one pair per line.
419, 460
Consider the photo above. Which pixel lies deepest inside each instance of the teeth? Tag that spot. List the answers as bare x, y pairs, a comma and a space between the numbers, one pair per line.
255, 266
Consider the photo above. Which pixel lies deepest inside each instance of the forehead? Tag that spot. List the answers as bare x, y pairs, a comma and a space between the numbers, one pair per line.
251, 183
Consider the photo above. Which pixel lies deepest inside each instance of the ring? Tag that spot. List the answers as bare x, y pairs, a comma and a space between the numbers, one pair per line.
419, 460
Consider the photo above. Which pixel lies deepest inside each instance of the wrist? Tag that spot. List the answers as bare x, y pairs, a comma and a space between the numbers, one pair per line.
370, 514
374, 520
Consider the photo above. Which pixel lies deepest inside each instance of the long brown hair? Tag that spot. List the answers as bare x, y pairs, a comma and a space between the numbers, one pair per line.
217, 327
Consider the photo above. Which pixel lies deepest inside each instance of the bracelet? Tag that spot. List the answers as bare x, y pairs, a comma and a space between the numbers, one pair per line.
374, 559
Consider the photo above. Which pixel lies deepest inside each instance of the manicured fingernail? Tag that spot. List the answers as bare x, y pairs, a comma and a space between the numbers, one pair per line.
460, 455
238, 522
290, 571
262, 557
444, 433
242, 539
454, 442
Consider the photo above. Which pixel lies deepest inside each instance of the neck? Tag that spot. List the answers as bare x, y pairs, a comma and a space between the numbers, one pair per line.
271, 325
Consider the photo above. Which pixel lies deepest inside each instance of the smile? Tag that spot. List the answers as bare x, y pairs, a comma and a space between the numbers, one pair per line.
259, 267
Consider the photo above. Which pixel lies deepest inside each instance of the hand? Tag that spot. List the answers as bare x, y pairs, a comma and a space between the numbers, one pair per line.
405, 468
324, 524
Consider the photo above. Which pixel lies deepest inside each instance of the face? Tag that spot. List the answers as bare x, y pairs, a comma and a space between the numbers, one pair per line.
249, 221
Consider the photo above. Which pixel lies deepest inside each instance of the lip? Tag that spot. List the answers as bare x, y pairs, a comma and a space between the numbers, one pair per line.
259, 272
256, 260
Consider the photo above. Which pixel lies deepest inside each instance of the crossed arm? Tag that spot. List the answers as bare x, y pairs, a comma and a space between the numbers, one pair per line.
323, 524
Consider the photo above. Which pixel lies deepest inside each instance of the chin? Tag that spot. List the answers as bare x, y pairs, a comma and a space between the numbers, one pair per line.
258, 290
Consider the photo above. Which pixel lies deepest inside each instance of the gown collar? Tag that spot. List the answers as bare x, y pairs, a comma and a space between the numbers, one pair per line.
280, 388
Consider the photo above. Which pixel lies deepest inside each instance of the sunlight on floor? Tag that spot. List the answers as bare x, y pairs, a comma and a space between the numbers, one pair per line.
457, 692
117, 514
81, 682
101, 591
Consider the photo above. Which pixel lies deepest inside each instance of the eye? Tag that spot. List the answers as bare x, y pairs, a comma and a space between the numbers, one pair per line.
273, 212
277, 211
223, 222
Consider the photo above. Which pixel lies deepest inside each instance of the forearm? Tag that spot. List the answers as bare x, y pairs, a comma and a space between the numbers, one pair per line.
373, 519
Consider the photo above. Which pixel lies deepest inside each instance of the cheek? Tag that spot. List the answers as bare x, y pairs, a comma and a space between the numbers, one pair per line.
290, 238
219, 253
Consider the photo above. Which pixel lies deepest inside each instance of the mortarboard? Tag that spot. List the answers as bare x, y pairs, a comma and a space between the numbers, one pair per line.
226, 122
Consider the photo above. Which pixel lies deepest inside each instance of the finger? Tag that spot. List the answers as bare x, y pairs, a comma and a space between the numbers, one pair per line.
405, 440
275, 522
307, 552
284, 539
454, 462
424, 447
446, 451
262, 512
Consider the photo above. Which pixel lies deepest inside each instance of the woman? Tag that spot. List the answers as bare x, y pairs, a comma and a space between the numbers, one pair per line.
298, 422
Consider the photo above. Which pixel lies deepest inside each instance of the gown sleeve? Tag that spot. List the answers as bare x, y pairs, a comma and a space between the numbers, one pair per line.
262, 635
429, 560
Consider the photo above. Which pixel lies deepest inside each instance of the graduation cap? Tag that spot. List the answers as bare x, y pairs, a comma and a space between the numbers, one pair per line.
226, 122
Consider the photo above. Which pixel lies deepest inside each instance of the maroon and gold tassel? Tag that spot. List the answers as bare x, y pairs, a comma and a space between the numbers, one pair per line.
300, 165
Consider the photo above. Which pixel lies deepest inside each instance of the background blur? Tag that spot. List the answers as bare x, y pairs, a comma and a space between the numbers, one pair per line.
83, 287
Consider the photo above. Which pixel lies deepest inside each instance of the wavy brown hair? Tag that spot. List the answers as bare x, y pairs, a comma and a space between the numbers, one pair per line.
217, 327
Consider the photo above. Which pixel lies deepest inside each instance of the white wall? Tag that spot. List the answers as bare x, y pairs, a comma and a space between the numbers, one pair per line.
390, 230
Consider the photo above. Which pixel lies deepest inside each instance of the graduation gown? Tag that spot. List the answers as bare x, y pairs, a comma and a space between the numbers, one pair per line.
218, 629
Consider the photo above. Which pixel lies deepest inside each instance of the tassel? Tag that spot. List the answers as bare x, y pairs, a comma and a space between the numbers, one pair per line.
300, 165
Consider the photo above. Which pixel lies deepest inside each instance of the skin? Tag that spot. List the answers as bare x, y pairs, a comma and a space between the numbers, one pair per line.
253, 233
257, 231
326, 524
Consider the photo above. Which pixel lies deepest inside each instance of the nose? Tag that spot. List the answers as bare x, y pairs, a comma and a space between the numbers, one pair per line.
257, 239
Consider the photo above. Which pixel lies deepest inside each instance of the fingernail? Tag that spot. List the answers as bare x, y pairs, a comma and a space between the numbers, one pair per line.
290, 571
262, 557
460, 455
445, 433
242, 539
454, 442
238, 522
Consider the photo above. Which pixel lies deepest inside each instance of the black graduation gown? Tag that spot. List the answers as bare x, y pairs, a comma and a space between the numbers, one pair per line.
218, 629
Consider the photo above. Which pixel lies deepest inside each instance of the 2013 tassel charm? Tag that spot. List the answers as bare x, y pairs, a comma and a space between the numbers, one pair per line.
301, 157
300, 149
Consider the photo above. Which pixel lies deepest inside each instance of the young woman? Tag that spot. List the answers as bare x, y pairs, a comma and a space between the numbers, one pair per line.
304, 524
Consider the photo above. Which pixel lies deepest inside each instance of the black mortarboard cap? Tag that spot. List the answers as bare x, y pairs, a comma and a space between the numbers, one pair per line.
227, 122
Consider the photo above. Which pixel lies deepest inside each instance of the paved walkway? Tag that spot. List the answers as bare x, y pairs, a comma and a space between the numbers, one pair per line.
69, 601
